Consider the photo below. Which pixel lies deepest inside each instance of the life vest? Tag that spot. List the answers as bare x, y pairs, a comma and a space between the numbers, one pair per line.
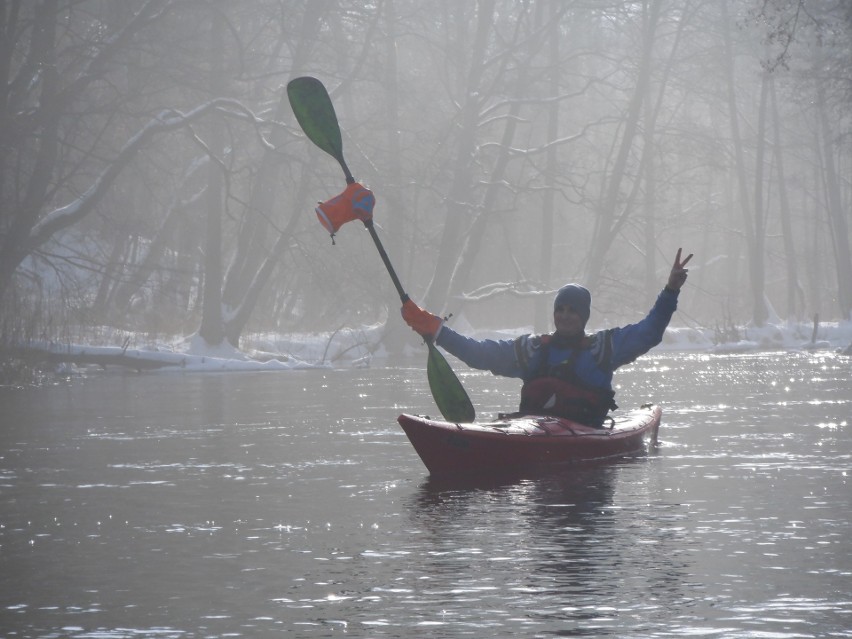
555, 389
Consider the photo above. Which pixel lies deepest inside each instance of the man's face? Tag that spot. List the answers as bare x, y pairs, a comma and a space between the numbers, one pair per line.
567, 321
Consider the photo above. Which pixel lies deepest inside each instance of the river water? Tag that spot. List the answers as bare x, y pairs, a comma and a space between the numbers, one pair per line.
291, 504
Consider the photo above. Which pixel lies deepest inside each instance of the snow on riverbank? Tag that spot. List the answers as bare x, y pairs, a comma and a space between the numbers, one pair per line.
772, 337
343, 348
775, 336
362, 347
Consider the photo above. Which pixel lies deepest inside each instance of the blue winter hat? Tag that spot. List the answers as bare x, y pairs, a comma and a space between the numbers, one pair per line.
577, 297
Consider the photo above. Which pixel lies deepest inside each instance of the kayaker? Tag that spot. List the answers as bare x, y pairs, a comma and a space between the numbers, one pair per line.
566, 373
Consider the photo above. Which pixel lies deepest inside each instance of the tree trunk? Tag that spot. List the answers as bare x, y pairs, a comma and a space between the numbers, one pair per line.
250, 268
543, 306
153, 257
485, 215
759, 312
794, 288
41, 56
458, 198
212, 328
606, 222
758, 249
111, 277
392, 185
649, 204
836, 213
33, 102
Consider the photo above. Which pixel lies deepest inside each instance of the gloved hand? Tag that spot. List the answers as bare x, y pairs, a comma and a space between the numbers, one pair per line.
422, 322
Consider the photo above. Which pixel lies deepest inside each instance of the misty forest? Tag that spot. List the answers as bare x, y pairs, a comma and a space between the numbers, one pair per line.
154, 182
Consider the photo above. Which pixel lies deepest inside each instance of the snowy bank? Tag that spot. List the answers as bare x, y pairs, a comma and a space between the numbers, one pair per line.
361, 347
774, 336
196, 358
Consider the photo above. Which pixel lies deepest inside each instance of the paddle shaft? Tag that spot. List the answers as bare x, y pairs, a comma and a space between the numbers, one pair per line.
403, 296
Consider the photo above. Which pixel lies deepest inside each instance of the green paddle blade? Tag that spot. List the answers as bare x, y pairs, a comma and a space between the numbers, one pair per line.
314, 112
449, 394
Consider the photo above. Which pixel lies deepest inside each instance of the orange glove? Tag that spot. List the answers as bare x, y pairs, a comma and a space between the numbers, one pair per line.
422, 322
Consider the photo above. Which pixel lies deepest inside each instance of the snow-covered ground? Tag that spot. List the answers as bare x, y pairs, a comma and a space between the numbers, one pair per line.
774, 336
835, 336
362, 347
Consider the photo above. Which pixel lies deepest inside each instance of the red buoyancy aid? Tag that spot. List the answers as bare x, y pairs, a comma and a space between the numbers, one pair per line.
555, 390
563, 398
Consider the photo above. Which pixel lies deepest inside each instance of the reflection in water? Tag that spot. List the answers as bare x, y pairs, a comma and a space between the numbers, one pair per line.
552, 550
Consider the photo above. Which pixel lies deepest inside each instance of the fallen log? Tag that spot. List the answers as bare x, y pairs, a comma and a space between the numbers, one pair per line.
103, 356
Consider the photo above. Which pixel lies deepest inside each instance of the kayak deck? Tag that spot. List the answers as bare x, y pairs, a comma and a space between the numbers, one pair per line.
528, 442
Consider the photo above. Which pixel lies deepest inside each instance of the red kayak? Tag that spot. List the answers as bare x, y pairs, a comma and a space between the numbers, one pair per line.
526, 443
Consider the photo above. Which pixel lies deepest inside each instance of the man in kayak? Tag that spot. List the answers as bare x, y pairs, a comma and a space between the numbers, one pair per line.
566, 373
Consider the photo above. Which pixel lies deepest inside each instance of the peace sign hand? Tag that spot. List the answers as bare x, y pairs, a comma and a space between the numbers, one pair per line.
678, 275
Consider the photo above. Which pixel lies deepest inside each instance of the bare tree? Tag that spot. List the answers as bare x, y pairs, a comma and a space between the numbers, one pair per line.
38, 94
795, 294
613, 208
458, 205
837, 213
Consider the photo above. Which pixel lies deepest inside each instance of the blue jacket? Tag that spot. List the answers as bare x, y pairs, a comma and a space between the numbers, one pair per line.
602, 353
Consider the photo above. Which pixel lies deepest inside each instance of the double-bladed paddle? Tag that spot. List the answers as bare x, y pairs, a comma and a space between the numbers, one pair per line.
315, 113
